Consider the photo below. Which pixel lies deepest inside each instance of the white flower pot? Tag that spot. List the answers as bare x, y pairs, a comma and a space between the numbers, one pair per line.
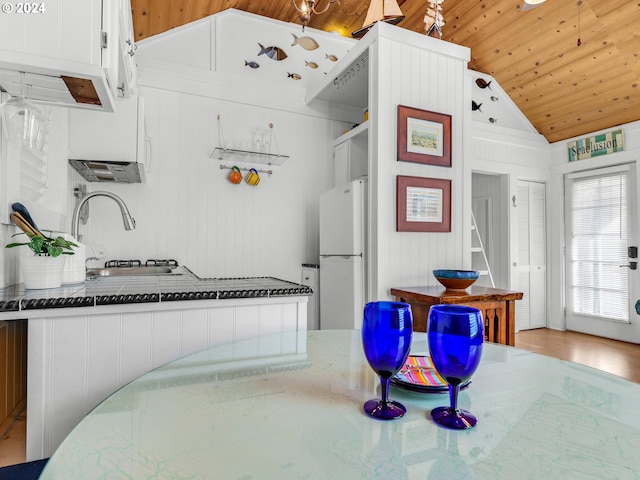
41, 271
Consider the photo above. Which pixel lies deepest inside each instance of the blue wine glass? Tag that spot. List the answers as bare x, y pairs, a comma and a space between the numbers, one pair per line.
386, 337
455, 334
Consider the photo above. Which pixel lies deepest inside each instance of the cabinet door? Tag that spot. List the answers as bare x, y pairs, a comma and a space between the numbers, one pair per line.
531, 311
351, 160
62, 29
127, 71
117, 136
310, 279
341, 163
110, 43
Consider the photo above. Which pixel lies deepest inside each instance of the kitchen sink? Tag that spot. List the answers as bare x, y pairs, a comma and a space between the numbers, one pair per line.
133, 271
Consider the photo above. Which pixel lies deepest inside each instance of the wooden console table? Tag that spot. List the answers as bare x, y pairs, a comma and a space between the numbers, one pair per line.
497, 307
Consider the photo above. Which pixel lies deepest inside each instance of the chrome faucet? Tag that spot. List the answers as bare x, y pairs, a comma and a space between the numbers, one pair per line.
129, 222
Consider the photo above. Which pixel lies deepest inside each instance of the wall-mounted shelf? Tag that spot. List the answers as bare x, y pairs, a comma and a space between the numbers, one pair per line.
238, 155
354, 132
231, 154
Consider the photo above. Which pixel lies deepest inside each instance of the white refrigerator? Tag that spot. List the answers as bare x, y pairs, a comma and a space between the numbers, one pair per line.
343, 240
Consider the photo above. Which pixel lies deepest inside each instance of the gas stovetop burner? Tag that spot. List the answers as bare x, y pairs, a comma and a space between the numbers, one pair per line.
153, 262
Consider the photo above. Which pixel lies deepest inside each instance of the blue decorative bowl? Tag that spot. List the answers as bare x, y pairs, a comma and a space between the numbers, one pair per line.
456, 279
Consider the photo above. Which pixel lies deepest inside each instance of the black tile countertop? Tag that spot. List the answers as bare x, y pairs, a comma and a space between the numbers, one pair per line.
145, 289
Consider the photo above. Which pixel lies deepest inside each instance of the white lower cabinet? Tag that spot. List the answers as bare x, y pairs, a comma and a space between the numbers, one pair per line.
77, 360
310, 278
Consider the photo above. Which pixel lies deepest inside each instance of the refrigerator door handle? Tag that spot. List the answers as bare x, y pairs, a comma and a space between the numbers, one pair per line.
343, 256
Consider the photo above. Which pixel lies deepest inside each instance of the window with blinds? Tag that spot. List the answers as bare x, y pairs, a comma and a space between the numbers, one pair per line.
598, 245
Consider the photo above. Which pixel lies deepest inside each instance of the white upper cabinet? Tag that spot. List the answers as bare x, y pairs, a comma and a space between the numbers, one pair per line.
351, 155
69, 49
127, 70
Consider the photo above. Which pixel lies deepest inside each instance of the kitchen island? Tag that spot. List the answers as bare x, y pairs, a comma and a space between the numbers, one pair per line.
86, 341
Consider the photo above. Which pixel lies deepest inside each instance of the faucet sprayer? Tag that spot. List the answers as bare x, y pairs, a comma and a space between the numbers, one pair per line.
127, 219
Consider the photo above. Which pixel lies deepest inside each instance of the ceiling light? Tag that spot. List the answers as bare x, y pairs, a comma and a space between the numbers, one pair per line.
306, 8
529, 4
433, 19
386, 11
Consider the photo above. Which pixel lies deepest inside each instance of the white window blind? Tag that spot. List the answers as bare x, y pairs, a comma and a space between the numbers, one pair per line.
599, 241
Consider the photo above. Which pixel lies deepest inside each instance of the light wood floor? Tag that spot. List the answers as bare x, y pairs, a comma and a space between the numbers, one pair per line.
618, 358
13, 440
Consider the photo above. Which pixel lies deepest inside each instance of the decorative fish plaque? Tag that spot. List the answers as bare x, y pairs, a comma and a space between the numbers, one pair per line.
482, 83
251, 64
274, 53
307, 43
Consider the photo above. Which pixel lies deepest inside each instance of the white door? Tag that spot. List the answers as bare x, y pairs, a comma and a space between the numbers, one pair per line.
532, 265
601, 279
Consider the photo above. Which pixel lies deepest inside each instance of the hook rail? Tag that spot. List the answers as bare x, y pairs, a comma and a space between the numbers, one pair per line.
222, 167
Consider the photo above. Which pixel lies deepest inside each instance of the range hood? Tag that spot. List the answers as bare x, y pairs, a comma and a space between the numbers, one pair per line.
109, 171
109, 147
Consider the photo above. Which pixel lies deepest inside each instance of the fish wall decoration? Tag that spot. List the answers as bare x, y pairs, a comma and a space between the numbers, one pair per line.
307, 43
313, 65
251, 64
332, 58
475, 106
295, 76
482, 83
274, 53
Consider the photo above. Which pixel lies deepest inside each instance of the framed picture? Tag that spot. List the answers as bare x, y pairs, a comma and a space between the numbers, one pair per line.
423, 204
424, 137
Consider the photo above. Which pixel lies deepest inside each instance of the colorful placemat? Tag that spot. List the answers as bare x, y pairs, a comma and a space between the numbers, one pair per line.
419, 375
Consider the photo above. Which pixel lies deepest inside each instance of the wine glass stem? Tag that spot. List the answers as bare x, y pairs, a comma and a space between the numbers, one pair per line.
453, 397
384, 383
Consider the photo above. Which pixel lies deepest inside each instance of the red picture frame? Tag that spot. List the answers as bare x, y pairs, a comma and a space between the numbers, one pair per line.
423, 204
424, 136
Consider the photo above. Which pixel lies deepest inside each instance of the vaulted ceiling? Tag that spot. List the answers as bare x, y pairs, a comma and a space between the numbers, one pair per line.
563, 88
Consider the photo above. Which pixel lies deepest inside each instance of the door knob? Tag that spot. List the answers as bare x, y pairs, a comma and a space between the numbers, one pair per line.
631, 266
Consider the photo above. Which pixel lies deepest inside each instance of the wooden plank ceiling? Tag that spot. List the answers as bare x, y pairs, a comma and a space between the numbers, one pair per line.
565, 90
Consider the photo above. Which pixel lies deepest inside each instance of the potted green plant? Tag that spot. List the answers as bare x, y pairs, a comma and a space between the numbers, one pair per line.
44, 268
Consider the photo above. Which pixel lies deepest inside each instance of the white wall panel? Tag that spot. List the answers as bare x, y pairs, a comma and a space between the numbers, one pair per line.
166, 331
189, 211
221, 326
63, 388
270, 319
103, 341
416, 77
135, 345
195, 330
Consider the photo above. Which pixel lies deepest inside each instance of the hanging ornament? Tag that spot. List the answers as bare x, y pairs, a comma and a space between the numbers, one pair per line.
433, 19
579, 8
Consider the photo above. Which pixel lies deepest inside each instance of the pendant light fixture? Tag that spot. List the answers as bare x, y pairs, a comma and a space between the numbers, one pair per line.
306, 8
433, 19
529, 4
386, 11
